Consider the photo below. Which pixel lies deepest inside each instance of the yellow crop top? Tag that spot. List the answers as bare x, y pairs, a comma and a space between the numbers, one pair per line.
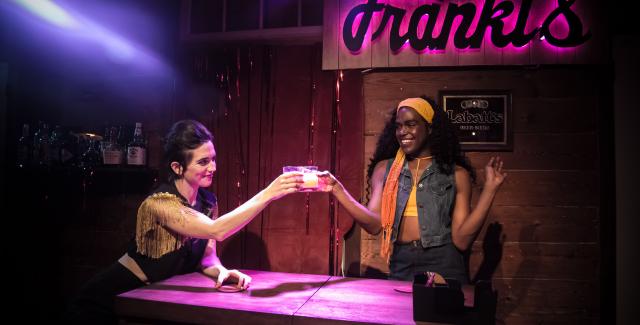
411, 210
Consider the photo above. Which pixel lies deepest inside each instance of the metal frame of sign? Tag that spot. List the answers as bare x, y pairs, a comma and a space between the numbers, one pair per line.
476, 117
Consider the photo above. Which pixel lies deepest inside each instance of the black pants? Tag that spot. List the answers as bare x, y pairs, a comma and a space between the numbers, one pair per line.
409, 259
94, 304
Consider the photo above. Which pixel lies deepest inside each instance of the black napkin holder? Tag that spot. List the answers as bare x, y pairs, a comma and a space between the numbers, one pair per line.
438, 303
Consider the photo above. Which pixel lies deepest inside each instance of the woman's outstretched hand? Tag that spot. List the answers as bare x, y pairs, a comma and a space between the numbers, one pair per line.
284, 184
494, 174
327, 182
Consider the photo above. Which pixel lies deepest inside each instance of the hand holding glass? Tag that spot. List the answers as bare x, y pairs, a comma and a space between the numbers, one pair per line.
309, 176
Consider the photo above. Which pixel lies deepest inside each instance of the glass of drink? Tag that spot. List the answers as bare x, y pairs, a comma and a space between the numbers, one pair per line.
309, 176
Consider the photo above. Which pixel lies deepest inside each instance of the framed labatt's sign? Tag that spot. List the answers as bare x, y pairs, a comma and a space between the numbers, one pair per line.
481, 118
400, 33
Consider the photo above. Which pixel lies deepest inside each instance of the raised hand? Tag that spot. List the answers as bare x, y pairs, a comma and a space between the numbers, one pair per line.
494, 175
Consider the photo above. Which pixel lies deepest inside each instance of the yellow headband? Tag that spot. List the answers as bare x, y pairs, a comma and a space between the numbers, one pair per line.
421, 106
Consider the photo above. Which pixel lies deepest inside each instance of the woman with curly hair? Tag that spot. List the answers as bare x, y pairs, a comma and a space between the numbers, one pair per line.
420, 193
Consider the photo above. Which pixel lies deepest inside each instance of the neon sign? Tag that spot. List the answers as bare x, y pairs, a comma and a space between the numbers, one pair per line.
491, 16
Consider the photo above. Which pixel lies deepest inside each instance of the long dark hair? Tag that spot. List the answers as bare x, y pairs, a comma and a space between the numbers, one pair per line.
443, 143
183, 136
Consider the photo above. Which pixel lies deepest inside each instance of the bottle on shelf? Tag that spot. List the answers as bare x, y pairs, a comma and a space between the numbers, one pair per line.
137, 148
112, 153
122, 137
91, 156
23, 150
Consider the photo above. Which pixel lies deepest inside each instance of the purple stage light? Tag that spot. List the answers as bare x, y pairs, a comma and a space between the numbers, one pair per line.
50, 12
85, 32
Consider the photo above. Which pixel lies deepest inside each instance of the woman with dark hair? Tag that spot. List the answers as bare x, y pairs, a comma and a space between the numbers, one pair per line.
177, 226
420, 194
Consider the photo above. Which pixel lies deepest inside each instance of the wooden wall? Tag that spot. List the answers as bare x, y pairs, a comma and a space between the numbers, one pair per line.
541, 242
276, 94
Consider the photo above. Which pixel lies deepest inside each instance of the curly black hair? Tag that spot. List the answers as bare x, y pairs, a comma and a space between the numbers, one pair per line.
443, 143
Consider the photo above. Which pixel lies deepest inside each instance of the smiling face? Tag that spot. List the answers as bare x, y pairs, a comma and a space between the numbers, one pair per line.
412, 132
199, 171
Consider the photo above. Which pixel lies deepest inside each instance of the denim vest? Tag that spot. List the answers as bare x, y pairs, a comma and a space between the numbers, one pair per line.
435, 196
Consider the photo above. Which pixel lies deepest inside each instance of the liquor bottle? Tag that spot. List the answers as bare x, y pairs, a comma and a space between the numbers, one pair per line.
91, 157
122, 136
112, 153
137, 149
24, 148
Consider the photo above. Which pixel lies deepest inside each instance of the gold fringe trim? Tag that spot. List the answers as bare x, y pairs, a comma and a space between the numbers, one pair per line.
152, 237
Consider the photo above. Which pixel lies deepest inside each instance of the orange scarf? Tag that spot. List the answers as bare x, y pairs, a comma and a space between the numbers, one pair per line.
388, 207
390, 189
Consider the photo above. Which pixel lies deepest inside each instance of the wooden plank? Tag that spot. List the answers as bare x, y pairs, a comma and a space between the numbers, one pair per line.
254, 174
380, 46
357, 300
361, 59
292, 249
549, 83
191, 298
351, 128
592, 15
545, 188
350, 140
541, 51
565, 55
550, 151
371, 263
379, 113
448, 56
406, 56
562, 261
541, 224
551, 115
369, 148
285, 35
492, 54
386, 85
470, 57
290, 222
330, 35
570, 317
539, 297
513, 55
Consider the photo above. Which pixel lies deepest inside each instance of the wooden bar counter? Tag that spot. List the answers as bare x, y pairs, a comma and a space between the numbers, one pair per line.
273, 298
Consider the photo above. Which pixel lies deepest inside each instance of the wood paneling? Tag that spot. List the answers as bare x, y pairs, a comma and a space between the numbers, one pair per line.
276, 95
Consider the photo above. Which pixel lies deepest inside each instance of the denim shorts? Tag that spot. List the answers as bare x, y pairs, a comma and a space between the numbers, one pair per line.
410, 258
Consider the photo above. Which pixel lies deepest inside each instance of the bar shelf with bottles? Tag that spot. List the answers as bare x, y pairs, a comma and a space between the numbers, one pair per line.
119, 151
